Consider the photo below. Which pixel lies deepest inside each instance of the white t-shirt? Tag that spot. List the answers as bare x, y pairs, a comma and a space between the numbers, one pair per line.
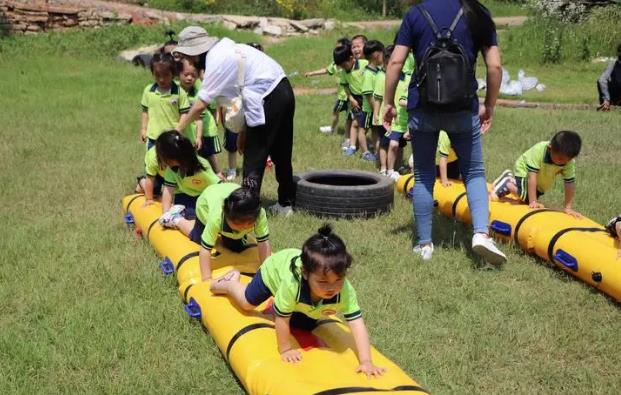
262, 75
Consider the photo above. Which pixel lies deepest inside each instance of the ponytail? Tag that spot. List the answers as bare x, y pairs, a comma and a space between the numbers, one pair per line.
172, 145
325, 252
480, 23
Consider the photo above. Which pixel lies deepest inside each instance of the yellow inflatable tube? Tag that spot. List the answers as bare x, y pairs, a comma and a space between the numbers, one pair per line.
247, 339
580, 247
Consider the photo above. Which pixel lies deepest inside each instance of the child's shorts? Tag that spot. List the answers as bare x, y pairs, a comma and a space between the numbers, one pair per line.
189, 202
393, 136
340, 106
452, 170
354, 113
257, 292
235, 245
211, 146
522, 189
158, 183
364, 119
230, 141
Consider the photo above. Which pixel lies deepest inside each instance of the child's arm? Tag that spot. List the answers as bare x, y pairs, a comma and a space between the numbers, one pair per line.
144, 122
361, 338
199, 134
287, 352
618, 231
570, 191
532, 191
443, 170
265, 250
148, 191
204, 258
354, 104
316, 73
167, 198
377, 104
370, 100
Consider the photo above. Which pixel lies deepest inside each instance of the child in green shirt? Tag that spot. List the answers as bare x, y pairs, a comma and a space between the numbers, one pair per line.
614, 228
374, 53
536, 169
307, 285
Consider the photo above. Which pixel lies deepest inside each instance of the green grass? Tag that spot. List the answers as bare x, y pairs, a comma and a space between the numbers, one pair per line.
505, 8
84, 309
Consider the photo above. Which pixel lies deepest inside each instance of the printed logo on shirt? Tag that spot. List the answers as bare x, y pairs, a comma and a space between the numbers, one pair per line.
197, 182
328, 312
174, 101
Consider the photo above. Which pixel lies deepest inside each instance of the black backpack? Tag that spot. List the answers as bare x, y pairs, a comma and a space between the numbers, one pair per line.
444, 77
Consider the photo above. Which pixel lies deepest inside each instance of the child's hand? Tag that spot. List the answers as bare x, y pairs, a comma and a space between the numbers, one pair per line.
291, 355
354, 104
535, 204
199, 143
148, 202
221, 176
407, 136
370, 370
143, 135
446, 183
573, 213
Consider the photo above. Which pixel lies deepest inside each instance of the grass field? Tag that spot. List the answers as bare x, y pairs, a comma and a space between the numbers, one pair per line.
85, 310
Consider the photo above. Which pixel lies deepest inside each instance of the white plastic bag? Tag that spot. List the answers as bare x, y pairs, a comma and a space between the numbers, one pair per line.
528, 83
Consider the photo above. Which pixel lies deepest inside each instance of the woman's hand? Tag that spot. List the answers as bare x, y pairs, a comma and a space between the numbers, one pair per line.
486, 115
390, 112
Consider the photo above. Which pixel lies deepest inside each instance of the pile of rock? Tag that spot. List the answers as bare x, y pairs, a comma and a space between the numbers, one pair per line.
277, 26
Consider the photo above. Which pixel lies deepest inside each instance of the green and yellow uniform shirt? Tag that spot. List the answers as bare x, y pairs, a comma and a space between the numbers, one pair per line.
209, 212
151, 166
409, 65
378, 95
354, 77
336, 71
368, 83
445, 149
400, 123
164, 108
194, 184
537, 160
293, 294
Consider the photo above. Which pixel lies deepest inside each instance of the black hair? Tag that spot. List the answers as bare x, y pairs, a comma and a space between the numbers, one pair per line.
566, 142
242, 204
171, 41
166, 59
181, 66
362, 36
324, 251
343, 41
480, 23
388, 52
342, 54
372, 46
172, 145
256, 45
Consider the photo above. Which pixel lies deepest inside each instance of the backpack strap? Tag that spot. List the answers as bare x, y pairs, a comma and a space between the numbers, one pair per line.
429, 19
455, 22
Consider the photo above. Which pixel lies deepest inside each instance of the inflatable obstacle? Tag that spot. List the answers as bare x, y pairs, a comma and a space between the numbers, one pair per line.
247, 340
581, 247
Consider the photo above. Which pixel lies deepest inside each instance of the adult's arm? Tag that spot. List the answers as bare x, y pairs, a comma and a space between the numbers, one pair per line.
395, 65
195, 113
491, 55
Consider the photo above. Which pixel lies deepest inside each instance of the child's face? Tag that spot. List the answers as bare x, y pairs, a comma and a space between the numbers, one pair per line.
241, 225
559, 158
324, 285
357, 47
163, 76
188, 75
348, 64
377, 58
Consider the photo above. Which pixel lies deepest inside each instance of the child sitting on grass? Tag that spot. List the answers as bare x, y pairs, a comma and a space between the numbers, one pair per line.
536, 169
163, 103
186, 175
231, 212
614, 228
307, 286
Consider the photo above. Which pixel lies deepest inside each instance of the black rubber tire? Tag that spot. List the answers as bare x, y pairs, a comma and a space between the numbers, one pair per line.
344, 193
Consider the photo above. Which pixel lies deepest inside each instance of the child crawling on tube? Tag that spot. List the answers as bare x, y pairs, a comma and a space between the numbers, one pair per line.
614, 228
307, 285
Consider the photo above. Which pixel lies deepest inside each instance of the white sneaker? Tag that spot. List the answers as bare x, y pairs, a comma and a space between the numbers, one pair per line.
231, 174
393, 175
425, 251
345, 144
484, 246
171, 218
383, 173
281, 210
325, 129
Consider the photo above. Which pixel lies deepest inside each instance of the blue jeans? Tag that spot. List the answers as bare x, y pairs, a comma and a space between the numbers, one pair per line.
464, 130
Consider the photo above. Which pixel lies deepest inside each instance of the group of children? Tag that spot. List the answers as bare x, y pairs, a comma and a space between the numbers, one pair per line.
307, 285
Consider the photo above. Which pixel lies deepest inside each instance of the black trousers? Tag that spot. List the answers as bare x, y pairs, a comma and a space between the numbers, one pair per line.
615, 94
274, 138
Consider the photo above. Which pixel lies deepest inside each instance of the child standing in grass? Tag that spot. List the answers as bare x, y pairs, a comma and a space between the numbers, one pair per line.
185, 177
394, 139
536, 169
231, 212
378, 112
163, 102
374, 53
307, 285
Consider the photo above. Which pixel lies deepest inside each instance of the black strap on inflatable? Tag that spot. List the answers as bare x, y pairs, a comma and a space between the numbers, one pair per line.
185, 293
132, 201
408, 182
151, 226
352, 390
243, 331
525, 217
185, 258
456, 202
560, 234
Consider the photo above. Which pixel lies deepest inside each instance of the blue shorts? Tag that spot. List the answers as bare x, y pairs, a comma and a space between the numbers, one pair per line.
211, 146
353, 114
197, 231
189, 202
230, 141
257, 292
522, 189
364, 119
393, 136
340, 106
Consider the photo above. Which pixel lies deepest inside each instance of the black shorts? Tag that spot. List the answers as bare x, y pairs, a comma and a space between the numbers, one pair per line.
211, 146
230, 141
340, 106
522, 189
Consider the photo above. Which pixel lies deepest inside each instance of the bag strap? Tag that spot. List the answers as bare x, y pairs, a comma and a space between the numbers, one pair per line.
455, 22
241, 70
437, 32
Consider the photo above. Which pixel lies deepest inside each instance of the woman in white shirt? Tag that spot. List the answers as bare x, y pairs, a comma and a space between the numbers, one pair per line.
268, 104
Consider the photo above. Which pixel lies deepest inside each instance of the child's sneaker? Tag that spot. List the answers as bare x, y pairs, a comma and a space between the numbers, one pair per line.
368, 155
171, 218
425, 252
345, 144
282, 210
501, 188
349, 151
484, 246
393, 175
383, 173
325, 129
501, 176
231, 174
